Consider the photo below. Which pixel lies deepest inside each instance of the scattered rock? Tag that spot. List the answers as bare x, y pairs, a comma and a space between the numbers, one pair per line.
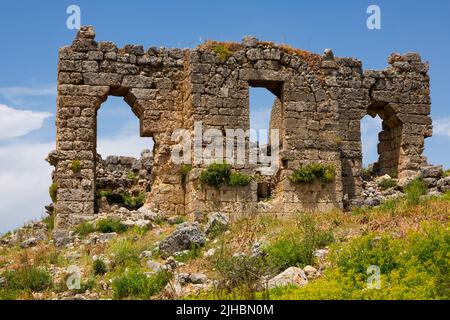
321, 253
2, 282
73, 255
328, 54
406, 177
432, 172
146, 254
183, 238
209, 253
62, 238
155, 266
430, 182
199, 216
172, 264
31, 242
291, 276
198, 278
174, 220
310, 271
380, 179
105, 237
257, 249
250, 41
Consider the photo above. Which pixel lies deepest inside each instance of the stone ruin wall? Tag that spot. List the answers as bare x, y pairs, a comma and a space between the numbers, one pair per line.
321, 100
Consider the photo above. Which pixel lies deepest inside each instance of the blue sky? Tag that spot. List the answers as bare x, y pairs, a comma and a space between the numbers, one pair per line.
32, 31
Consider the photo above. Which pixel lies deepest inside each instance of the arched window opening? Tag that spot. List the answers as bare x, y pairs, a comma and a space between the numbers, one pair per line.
124, 159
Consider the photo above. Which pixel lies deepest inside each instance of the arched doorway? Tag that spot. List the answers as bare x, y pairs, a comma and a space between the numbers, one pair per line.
124, 159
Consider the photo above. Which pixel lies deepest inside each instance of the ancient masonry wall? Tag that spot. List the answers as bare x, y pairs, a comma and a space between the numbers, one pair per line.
320, 103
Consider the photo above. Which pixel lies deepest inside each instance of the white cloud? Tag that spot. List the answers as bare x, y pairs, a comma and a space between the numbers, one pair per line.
16, 123
442, 127
24, 181
11, 93
25, 176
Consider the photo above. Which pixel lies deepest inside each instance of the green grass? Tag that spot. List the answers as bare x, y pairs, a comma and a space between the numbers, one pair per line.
84, 228
223, 52
296, 248
52, 191
136, 285
99, 267
414, 191
238, 274
110, 225
49, 222
125, 253
447, 173
131, 176
191, 254
26, 279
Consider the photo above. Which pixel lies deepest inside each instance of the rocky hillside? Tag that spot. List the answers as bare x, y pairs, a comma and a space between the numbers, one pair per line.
401, 231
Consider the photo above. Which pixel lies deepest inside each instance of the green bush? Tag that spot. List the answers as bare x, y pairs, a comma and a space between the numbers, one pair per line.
239, 179
84, 228
75, 166
184, 171
52, 191
387, 183
137, 285
297, 247
133, 202
216, 174
414, 190
223, 52
123, 199
49, 221
99, 267
110, 225
447, 173
414, 267
312, 172
27, 278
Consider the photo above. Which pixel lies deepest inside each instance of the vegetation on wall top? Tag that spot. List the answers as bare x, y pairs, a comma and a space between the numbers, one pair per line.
313, 172
219, 173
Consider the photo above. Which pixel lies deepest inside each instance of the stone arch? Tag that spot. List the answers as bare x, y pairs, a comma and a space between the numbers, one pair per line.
389, 139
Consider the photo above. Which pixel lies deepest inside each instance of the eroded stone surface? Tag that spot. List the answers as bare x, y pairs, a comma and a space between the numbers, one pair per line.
320, 102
